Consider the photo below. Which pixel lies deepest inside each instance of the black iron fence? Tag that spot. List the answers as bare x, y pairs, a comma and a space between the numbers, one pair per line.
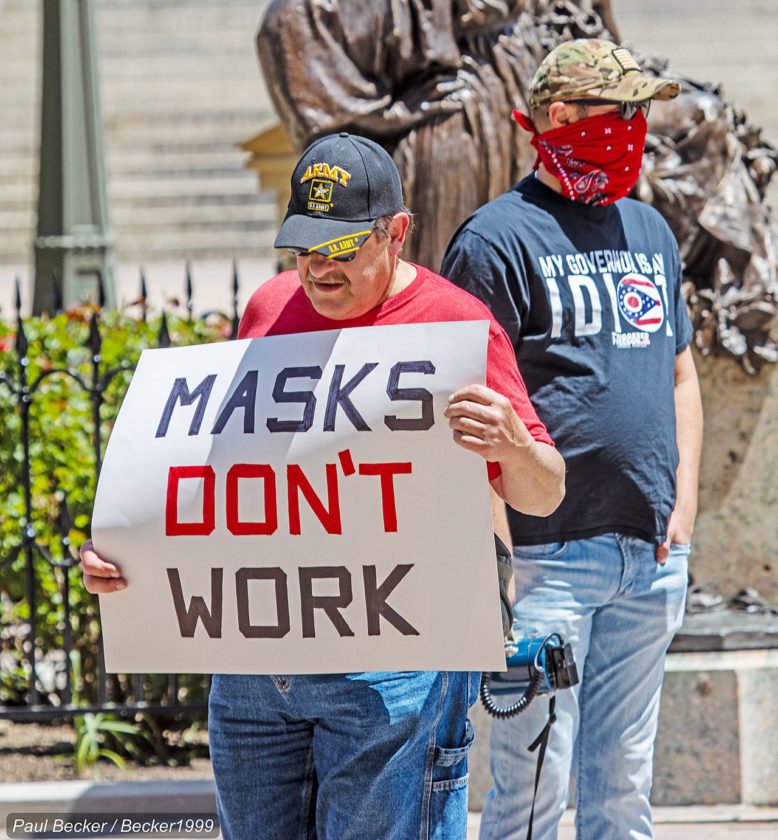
51, 663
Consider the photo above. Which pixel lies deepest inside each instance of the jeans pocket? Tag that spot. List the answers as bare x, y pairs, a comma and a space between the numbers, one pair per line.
448, 800
681, 549
448, 812
544, 551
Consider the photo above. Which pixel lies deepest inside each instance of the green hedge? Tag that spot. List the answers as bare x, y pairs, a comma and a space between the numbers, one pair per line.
62, 466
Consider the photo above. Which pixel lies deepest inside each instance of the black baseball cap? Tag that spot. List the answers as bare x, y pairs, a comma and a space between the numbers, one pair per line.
340, 186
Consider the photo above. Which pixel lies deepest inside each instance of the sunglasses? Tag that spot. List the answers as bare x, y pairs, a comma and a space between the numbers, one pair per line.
627, 110
304, 252
343, 258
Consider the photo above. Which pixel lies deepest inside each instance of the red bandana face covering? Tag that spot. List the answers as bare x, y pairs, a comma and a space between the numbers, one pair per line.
597, 160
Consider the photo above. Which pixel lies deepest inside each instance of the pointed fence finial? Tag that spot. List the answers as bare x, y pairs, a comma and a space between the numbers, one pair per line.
235, 288
56, 287
64, 519
144, 307
95, 341
163, 338
21, 345
189, 304
100, 289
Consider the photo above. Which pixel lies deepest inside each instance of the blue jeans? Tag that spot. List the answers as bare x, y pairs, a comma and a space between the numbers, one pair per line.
619, 609
342, 756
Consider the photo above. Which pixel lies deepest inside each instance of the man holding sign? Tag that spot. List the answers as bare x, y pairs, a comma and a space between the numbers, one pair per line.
372, 754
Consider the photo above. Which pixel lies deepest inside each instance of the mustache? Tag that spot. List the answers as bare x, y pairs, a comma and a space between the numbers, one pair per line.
331, 277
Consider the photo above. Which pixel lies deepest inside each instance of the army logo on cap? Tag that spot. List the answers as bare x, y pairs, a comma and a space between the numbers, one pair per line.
322, 177
320, 195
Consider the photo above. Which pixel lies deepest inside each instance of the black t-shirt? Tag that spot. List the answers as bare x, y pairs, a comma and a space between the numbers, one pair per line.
591, 299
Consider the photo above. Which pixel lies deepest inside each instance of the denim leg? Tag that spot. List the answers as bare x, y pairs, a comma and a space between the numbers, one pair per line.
621, 685
559, 588
262, 757
391, 763
342, 757
448, 776
619, 609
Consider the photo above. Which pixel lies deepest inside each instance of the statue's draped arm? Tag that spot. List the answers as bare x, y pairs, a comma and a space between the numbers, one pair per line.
376, 68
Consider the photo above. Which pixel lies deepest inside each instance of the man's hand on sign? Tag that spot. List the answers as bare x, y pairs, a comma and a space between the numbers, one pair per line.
100, 576
485, 422
532, 478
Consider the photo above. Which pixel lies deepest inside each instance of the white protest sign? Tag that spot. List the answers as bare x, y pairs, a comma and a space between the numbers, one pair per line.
296, 504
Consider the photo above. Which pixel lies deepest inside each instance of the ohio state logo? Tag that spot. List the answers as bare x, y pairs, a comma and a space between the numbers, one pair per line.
640, 302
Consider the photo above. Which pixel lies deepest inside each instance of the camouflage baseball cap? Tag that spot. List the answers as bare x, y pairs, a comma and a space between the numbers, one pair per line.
591, 68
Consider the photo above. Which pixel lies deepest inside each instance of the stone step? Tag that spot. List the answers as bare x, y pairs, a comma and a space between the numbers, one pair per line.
209, 19
18, 196
21, 119
156, 213
178, 215
192, 190
15, 169
125, 217
120, 37
14, 221
184, 93
176, 4
241, 185
198, 244
242, 232
20, 81
140, 51
155, 245
119, 43
16, 253
150, 95
187, 131
21, 141
201, 53
180, 88
165, 161
167, 102
21, 13
182, 174
151, 130
178, 174
163, 101
172, 160
173, 115
165, 142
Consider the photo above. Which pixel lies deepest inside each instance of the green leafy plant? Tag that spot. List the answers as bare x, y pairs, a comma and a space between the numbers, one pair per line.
95, 729
91, 731
62, 431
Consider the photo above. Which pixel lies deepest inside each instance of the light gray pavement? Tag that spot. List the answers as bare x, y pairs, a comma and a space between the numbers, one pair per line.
717, 822
704, 827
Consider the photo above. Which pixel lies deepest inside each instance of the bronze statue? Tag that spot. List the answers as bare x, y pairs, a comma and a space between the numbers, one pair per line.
434, 81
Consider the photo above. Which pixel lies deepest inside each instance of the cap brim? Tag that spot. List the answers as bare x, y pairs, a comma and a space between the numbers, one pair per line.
637, 87
330, 237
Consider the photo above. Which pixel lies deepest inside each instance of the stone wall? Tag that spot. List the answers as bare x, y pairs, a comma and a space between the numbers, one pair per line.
717, 742
736, 541
733, 44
